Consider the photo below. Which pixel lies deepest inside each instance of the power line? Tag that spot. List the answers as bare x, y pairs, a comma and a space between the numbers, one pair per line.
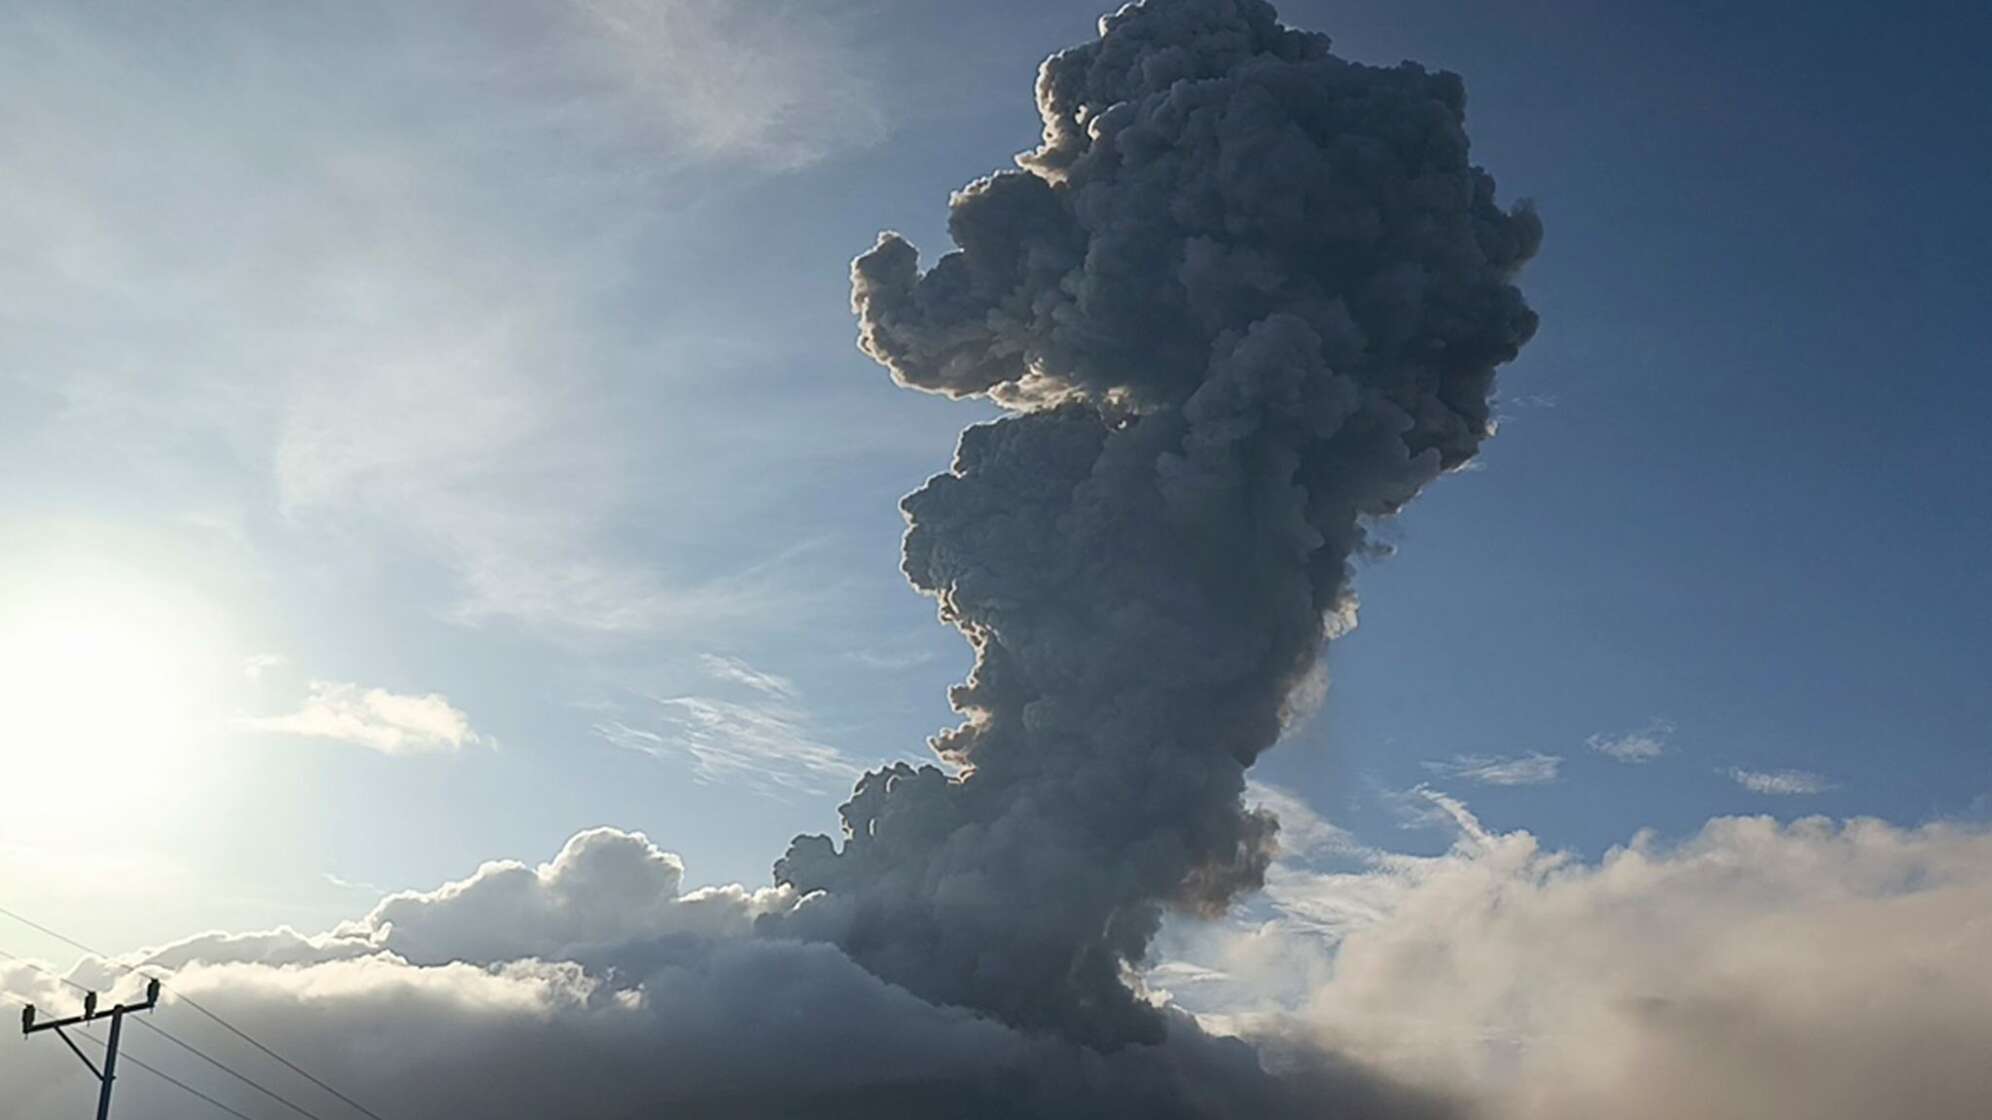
191, 1002
57, 977
170, 1037
107, 1076
292, 1066
270, 1093
177, 1083
184, 1087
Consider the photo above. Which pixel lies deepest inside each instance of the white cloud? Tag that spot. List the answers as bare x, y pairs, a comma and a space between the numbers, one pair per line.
255, 665
1532, 769
1424, 807
605, 887
345, 884
1643, 745
1758, 969
727, 740
739, 672
1780, 783
375, 718
761, 741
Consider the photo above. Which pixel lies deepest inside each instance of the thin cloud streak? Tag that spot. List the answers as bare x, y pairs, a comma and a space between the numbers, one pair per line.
739, 672
1494, 770
1780, 783
761, 741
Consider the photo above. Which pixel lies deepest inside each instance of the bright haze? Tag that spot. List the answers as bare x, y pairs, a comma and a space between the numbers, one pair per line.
1459, 582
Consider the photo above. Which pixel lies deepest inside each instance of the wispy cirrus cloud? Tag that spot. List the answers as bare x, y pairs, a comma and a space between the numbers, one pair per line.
1643, 745
739, 672
356, 885
400, 348
1421, 806
1531, 769
758, 738
1780, 783
374, 718
890, 660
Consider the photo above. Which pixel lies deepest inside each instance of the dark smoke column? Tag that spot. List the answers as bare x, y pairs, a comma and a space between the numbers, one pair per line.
1245, 295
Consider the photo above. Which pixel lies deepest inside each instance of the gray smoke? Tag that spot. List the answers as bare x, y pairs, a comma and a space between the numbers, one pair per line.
1243, 297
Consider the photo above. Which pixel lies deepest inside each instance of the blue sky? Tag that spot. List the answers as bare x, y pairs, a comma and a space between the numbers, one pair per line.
458, 409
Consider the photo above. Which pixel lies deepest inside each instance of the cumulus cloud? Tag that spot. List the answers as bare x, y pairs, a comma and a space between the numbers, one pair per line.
1780, 783
1643, 745
606, 887
1818, 969
1532, 769
374, 718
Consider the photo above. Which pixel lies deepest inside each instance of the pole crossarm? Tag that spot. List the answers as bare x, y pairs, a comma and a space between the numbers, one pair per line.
116, 1014
34, 1026
31, 1023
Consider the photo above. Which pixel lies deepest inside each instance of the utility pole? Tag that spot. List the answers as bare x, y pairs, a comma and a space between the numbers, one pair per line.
90, 1015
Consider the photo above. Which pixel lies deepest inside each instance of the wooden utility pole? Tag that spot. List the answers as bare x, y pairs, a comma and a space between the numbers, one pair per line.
90, 1015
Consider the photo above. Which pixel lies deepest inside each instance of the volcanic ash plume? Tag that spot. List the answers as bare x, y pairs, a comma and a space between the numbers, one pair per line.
1243, 296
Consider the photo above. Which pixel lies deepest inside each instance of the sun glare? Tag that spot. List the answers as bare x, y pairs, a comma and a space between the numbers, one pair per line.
106, 692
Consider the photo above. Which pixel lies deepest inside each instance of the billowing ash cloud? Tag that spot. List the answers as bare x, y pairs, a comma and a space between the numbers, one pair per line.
1244, 295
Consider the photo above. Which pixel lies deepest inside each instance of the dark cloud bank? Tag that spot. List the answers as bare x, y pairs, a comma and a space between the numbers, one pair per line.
1245, 296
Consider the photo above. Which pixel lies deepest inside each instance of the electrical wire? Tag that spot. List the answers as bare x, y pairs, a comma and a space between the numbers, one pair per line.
270, 1093
173, 1081
170, 1037
177, 1083
57, 977
191, 1002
